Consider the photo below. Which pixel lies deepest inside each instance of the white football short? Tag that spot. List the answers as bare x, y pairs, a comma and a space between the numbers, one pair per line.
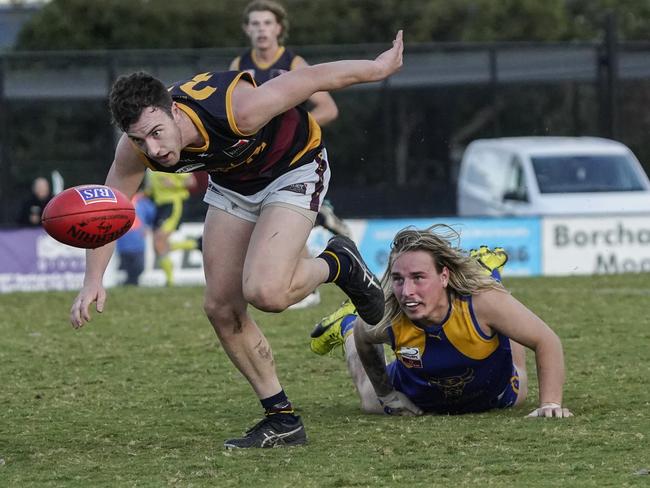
302, 189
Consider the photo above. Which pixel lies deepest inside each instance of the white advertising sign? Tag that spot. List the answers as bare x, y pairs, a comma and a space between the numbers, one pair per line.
596, 245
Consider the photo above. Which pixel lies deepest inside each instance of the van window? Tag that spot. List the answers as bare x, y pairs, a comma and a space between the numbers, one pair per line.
485, 169
577, 174
515, 186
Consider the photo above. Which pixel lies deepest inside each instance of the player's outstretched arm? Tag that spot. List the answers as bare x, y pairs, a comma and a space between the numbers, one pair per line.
505, 314
254, 107
126, 174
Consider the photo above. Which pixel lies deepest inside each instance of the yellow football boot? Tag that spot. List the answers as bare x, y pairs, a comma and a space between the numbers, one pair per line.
327, 333
492, 260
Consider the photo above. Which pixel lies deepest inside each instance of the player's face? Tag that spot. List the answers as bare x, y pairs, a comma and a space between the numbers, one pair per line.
157, 135
419, 288
263, 29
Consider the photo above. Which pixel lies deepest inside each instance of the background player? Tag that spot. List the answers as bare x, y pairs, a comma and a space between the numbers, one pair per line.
131, 247
266, 25
169, 191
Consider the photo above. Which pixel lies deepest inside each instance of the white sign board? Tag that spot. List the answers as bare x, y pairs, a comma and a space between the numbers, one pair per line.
596, 245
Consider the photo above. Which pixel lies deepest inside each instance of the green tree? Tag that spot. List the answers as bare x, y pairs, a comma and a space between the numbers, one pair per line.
117, 24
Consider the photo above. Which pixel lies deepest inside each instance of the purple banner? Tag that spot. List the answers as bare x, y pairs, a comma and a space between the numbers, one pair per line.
31, 260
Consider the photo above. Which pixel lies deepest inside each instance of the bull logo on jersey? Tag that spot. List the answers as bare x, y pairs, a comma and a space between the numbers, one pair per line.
410, 357
452, 386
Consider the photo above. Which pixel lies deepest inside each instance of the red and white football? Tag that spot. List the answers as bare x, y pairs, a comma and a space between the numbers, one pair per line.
88, 216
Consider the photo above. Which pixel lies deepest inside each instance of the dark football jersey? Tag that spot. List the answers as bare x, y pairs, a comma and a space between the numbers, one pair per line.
244, 163
263, 72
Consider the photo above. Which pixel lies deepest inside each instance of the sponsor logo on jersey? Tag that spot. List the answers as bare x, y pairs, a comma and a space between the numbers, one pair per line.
238, 148
410, 357
296, 188
188, 168
96, 193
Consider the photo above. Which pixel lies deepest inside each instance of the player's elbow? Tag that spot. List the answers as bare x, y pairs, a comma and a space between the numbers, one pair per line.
330, 116
332, 112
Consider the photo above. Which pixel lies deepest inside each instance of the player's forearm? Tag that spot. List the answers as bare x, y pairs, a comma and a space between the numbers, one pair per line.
373, 363
96, 263
550, 370
335, 75
253, 108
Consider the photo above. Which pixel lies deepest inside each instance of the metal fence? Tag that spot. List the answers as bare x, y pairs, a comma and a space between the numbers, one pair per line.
394, 148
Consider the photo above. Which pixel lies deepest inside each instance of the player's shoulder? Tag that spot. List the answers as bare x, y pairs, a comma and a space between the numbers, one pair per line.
492, 303
296, 61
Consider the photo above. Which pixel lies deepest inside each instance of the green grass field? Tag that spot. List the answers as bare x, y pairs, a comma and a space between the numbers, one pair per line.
144, 396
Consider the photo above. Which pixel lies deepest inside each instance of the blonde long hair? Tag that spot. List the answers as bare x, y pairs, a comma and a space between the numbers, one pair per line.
466, 276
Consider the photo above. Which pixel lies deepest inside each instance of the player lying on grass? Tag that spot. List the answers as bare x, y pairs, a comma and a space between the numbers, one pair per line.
457, 334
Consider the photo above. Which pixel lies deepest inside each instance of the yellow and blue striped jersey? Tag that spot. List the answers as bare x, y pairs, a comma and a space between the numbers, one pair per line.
451, 367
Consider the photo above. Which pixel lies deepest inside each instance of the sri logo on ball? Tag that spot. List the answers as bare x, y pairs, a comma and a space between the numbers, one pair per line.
88, 216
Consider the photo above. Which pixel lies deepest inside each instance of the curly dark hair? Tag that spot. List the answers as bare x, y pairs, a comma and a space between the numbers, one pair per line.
131, 94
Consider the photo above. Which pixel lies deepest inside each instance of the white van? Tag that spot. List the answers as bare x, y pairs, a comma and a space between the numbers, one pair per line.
550, 176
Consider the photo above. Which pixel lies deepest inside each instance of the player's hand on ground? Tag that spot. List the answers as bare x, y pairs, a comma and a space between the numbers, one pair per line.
551, 410
390, 61
80, 313
397, 403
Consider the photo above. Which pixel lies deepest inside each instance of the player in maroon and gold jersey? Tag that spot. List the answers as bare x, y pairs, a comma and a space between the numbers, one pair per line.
268, 177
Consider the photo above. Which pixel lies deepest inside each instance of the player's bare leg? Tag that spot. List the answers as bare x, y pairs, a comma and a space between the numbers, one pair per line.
275, 273
314, 297
226, 241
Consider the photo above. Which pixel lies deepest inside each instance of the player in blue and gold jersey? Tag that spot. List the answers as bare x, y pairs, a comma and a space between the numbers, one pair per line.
266, 25
457, 334
269, 174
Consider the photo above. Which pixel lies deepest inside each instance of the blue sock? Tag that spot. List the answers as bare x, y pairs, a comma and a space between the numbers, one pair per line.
347, 323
